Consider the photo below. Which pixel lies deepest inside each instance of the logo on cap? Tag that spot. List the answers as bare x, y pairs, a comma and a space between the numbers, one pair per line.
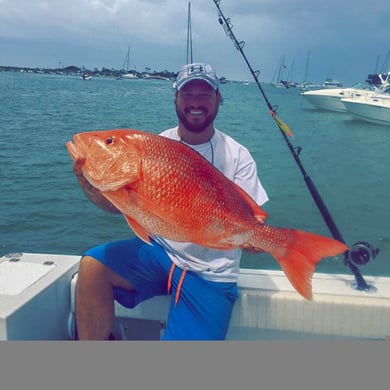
197, 71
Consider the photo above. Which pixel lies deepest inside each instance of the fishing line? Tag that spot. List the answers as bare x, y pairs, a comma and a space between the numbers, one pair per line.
361, 252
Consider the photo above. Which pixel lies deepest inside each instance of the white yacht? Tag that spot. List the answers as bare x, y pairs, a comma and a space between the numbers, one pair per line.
374, 108
330, 98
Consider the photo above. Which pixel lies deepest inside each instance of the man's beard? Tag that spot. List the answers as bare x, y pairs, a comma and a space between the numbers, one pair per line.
196, 127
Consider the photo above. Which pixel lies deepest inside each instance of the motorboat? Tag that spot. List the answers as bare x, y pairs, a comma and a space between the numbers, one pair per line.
37, 302
374, 108
329, 99
85, 76
331, 83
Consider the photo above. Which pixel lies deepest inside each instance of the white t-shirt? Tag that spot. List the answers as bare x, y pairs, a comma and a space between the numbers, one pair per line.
236, 163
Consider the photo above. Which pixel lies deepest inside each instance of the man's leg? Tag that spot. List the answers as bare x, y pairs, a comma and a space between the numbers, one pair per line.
95, 299
203, 310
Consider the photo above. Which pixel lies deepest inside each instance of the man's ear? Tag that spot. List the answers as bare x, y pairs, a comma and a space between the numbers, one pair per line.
220, 98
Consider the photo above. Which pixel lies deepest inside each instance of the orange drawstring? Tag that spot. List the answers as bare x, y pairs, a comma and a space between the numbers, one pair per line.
183, 274
180, 282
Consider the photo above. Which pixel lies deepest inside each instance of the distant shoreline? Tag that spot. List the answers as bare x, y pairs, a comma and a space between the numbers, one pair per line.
105, 72
76, 71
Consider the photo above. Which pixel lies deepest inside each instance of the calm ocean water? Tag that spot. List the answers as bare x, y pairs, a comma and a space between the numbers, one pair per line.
43, 209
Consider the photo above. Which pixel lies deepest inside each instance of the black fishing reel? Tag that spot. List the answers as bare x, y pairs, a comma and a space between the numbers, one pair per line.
361, 253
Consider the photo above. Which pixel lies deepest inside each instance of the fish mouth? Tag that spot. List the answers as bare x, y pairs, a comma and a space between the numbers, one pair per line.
72, 150
75, 148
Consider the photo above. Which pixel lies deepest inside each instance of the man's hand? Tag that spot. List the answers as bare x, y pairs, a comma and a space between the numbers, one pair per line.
77, 166
93, 194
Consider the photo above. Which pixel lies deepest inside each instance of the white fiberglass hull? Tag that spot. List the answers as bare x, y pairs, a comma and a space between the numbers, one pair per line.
37, 303
373, 110
330, 99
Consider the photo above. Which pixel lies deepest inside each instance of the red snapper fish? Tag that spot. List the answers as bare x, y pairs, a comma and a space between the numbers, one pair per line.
165, 188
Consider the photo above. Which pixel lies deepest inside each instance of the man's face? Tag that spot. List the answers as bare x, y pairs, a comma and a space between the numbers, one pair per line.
197, 105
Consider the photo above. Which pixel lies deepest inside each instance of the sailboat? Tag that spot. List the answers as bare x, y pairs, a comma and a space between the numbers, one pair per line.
307, 84
280, 82
124, 72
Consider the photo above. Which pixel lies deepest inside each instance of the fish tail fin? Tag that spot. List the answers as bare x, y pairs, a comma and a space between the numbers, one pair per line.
299, 257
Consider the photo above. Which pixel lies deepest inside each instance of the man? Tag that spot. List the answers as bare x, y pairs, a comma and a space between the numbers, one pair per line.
204, 281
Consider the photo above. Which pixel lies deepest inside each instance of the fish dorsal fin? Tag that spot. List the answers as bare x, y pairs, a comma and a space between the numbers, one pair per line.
142, 233
258, 212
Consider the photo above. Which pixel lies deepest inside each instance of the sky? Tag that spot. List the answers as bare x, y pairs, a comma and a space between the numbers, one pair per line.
343, 39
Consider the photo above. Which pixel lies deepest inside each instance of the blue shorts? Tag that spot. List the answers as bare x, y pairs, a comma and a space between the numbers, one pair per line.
204, 308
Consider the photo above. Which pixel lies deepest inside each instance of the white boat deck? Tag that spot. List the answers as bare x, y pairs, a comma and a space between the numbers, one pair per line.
42, 307
269, 307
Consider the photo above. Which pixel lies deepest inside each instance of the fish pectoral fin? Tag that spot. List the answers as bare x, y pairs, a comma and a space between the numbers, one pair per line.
258, 212
141, 232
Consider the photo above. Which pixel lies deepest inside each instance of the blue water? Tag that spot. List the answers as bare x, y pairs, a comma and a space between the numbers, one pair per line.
43, 209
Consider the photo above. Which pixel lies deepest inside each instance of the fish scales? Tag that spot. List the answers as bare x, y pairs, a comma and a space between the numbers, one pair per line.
172, 169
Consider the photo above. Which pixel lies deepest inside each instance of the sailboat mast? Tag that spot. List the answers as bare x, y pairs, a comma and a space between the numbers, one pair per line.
128, 59
189, 36
281, 68
307, 68
125, 66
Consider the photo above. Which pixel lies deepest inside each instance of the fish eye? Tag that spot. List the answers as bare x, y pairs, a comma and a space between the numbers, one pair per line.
109, 141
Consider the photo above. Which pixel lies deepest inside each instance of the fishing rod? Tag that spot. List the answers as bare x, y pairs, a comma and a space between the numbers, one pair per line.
361, 252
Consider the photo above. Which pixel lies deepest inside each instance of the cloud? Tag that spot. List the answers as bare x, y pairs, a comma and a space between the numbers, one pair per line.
344, 37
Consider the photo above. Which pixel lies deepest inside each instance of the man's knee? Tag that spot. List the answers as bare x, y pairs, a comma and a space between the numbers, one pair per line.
96, 272
92, 269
